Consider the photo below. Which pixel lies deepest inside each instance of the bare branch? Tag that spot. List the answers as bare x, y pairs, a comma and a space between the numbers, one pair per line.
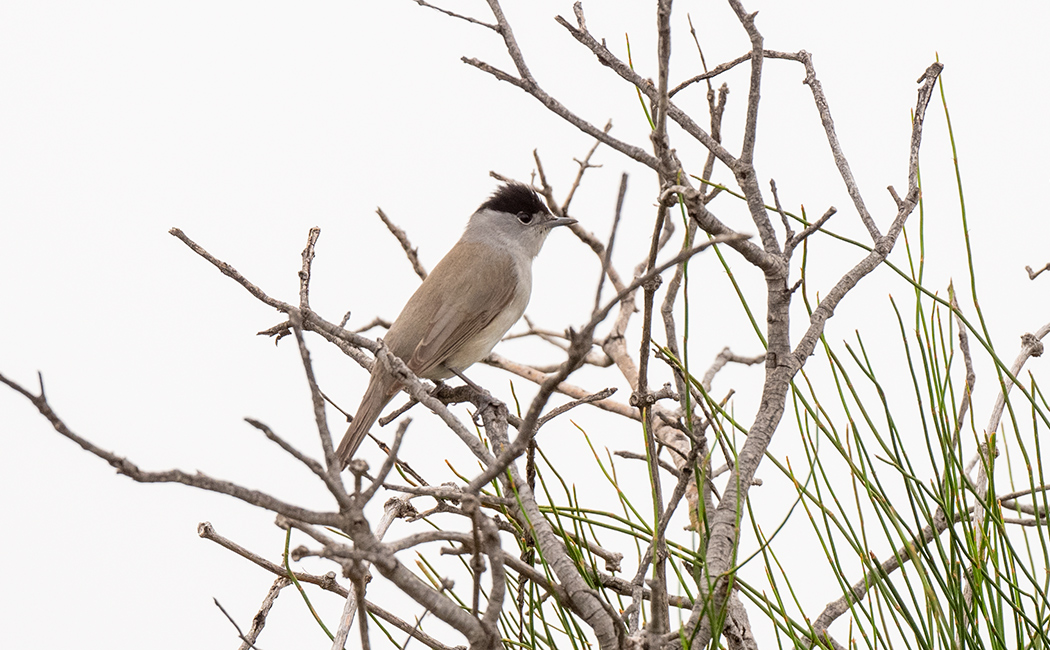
608, 59
579, 597
808, 230
1034, 274
607, 257
388, 463
781, 367
788, 232
304, 273
197, 480
724, 357
644, 401
406, 245
320, 417
556, 107
836, 149
576, 392
630, 455
335, 487
1031, 346
564, 408
747, 151
231, 272
453, 14
259, 620
584, 164
311, 321
327, 582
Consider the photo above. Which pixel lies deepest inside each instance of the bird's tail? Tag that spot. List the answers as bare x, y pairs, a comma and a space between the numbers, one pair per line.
379, 392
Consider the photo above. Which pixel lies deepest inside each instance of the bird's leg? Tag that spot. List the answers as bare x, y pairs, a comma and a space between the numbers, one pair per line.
467, 381
436, 390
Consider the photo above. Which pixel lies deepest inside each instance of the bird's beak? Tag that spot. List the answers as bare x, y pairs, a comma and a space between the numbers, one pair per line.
560, 221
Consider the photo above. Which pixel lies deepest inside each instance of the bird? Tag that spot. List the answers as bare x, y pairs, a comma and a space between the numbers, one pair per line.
466, 304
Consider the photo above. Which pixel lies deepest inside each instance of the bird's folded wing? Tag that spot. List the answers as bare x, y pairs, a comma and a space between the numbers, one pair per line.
489, 290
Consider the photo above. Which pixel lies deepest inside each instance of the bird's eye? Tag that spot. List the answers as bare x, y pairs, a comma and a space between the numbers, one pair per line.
525, 218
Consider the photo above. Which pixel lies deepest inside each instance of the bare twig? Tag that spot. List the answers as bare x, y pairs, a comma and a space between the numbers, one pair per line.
197, 480
584, 164
406, 245
304, 273
327, 582
788, 232
388, 463
538, 377
782, 364
808, 230
606, 258
1034, 274
311, 320
726, 67
333, 465
453, 14
375, 322
836, 149
259, 618
634, 456
724, 357
527, 83
1031, 346
312, 464
971, 376
589, 399
608, 59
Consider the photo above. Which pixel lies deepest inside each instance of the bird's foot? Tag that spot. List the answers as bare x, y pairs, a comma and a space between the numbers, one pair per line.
481, 399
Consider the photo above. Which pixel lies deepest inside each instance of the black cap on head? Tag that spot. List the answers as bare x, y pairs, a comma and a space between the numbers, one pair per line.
514, 198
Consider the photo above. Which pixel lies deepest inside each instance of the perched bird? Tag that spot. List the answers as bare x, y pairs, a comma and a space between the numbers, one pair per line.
467, 303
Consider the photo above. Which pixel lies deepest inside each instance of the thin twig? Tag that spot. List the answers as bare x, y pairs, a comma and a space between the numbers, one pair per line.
584, 164
538, 377
808, 230
333, 465
589, 399
310, 463
304, 273
635, 456
197, 479
836, 148
629, 150
789, 233
607, 257
327, 582
1034, 274
453, 14
240, 635
406, 245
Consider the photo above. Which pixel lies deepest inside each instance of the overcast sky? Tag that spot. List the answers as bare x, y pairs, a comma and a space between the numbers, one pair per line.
246, 123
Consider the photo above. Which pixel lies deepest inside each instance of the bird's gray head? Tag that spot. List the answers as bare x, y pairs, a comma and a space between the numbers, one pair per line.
514, 217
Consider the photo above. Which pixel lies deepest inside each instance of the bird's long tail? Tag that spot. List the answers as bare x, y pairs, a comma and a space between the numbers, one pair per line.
379, 392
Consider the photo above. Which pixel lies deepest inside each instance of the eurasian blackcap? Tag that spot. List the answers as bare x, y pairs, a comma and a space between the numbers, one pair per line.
467, 303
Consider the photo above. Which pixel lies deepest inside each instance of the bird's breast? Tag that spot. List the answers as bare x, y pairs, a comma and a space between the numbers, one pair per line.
480, 345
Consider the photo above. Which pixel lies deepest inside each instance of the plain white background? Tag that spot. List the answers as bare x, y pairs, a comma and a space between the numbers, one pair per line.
245, 124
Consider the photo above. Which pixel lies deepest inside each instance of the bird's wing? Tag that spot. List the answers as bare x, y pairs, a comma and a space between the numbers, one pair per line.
490, 289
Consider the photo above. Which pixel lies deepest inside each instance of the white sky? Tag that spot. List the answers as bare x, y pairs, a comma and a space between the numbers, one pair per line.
246, 123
